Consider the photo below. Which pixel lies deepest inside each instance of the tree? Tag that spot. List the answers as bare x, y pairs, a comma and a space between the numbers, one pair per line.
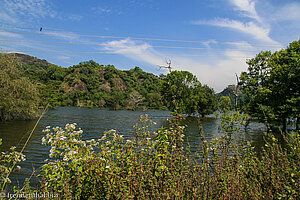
19, 98
178, 90
224, 104
272, 85
135, 99
208, 102
284, 83
154, 100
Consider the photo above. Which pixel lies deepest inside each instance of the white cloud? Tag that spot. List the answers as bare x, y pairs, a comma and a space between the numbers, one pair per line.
18, 11
64, 57
68, 36
247, 7
9, 34
250, 28
75, 17
100, 9
288, 12
217, 72
141, 52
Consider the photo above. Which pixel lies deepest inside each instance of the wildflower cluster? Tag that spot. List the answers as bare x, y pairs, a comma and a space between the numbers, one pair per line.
156, 164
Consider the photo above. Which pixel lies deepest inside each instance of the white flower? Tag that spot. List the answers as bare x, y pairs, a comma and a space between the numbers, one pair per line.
102, 159
13, 148
107, 167
18, 167
23, 157
72, 126
62, 138
72, 153
8, 180
102, 138
75, 140
47, 127
51, 152
91, 141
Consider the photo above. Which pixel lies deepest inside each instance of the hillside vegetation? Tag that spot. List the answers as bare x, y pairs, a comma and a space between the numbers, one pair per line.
90, 84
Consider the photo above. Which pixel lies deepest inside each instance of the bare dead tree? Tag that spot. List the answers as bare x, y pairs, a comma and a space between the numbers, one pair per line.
166, 67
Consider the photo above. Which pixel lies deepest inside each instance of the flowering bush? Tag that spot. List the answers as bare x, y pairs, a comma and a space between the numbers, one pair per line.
157, 165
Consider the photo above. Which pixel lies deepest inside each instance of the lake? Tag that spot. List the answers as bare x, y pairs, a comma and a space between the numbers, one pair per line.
94, 122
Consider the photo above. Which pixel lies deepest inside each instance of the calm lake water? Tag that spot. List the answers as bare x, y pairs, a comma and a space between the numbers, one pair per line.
94, 122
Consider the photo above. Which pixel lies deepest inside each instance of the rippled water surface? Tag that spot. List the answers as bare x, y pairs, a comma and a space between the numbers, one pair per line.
94, 122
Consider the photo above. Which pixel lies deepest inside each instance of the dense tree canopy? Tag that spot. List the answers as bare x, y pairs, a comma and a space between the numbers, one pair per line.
19, 98
272, 85
90, 84
182, 91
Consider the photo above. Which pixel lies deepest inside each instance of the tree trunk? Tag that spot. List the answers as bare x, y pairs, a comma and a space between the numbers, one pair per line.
297, 123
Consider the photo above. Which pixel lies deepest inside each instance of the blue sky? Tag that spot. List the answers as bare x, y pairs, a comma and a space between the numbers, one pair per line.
210, 38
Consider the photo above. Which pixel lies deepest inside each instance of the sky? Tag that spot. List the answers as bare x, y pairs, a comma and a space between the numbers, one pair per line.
209, 38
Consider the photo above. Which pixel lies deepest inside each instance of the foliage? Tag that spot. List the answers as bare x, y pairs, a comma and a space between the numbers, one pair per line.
90, 84
224, 104
183, 92
208, 103
19, 98
7, 162
156, 165
271, 85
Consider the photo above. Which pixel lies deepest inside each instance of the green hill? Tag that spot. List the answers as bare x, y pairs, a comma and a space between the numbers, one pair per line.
90, 84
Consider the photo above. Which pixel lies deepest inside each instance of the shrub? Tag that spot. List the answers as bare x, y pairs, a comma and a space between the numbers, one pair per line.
157, 164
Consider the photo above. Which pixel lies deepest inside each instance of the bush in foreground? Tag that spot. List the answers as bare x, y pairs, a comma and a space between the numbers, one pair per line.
156, 165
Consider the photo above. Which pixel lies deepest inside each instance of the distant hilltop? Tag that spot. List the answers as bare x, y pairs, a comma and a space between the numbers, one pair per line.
229, 91
25, 59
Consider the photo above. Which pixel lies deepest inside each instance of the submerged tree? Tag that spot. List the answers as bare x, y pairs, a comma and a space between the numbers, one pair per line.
178, 90
272, 85
19, 98
182, 91
224, 104
208, 102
